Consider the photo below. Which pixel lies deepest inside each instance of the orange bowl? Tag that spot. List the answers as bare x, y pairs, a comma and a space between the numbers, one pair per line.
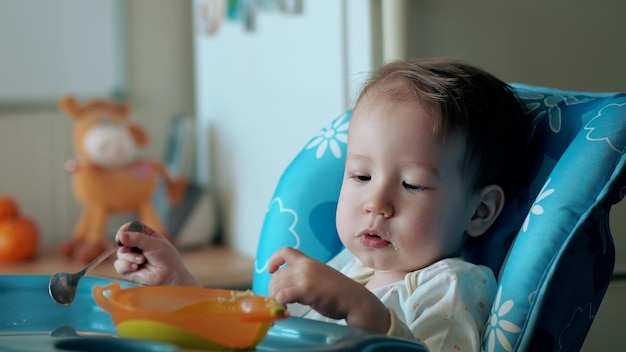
190, 317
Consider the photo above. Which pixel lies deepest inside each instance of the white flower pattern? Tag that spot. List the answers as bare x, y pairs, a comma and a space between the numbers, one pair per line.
537, 209
330, 137
554, 102
497, 326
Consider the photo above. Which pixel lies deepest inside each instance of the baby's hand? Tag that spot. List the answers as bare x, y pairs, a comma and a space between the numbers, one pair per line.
149, 258
332, 294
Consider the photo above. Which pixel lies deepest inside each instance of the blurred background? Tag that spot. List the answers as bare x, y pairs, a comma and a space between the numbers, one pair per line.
260, 78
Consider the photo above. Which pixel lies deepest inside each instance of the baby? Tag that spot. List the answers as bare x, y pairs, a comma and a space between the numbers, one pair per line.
431, 155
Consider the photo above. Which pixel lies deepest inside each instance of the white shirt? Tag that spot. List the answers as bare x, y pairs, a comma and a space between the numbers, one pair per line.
444, 305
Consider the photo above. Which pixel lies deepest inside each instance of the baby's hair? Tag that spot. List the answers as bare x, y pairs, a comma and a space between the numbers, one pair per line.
468, 101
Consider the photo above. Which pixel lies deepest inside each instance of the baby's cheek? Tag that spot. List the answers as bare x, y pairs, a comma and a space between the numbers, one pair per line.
344, 220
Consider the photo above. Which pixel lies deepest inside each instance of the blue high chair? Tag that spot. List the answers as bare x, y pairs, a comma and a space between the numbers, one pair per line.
551, 247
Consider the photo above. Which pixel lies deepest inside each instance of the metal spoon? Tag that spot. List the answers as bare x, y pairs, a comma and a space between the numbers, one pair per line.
62, 286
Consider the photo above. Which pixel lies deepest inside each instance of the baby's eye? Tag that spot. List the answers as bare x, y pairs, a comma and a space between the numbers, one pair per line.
413, 187
361, 178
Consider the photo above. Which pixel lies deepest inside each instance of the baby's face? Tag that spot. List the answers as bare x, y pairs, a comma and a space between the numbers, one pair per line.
403, 203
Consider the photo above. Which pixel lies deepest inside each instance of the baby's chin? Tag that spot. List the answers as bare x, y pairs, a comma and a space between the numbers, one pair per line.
392, 263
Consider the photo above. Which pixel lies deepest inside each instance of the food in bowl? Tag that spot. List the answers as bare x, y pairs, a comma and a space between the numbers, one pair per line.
190, 317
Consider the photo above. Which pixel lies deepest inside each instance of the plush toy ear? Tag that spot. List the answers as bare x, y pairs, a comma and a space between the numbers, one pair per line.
139, 134
69, 105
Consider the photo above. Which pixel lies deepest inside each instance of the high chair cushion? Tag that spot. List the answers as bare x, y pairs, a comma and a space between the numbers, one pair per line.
562, 256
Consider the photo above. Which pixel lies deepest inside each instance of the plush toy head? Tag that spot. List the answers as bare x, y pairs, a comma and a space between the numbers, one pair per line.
103, 133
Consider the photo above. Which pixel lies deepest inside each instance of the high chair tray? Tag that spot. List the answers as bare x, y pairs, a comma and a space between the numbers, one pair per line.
32, 321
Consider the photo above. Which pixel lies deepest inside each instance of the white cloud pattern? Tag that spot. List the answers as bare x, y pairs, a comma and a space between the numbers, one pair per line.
599, 131
291, 229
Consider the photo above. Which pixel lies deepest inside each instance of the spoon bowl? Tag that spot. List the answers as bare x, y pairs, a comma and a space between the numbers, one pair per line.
62, 286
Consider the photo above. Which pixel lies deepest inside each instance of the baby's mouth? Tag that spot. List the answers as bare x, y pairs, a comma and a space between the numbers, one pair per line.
377, 237
373, 233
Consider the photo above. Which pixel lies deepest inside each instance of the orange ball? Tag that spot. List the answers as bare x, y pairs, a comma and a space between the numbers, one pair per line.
8, 208
19, 239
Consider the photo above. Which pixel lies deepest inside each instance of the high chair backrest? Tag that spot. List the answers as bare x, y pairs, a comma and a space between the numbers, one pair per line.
551, 247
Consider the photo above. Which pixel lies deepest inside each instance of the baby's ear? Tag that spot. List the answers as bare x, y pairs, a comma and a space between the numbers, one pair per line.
487, 211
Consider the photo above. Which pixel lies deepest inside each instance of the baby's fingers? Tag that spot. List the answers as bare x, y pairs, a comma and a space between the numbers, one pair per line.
130, 255
286, 295
274, 263
124, 267
286, 255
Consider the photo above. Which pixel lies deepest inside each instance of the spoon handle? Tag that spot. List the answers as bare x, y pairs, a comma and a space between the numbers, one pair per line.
134, 226
102, 257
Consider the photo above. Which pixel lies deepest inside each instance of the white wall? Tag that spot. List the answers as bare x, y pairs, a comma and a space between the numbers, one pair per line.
570, 44
60, 43
35, 140
262, 95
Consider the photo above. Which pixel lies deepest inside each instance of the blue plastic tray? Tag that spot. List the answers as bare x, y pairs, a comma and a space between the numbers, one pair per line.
31, 321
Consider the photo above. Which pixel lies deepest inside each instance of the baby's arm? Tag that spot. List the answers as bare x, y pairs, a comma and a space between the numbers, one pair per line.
332, 294
150, 259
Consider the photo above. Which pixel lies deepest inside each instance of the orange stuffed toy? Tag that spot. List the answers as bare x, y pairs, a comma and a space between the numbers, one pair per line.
107, 178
